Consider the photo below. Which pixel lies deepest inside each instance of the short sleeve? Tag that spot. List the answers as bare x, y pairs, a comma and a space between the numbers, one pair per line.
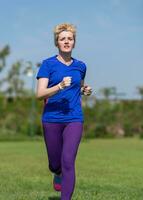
83, 71
44, 71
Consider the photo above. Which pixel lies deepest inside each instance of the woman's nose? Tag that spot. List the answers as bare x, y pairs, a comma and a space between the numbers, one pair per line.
66, 41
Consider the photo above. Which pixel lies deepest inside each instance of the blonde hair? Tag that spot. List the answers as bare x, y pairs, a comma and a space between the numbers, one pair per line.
63, 27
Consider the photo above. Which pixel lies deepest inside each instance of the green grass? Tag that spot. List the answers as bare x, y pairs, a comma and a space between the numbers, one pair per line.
109, 169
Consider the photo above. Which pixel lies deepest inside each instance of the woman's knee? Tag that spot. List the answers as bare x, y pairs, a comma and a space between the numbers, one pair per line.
55, 169
67, 164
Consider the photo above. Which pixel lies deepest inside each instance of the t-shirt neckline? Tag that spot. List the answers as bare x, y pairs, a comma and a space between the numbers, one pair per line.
64, 63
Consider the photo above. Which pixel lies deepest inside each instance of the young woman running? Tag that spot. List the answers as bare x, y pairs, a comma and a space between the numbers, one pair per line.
60, 84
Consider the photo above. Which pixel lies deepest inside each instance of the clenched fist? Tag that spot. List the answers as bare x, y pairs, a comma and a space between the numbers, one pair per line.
65, 82
86, 90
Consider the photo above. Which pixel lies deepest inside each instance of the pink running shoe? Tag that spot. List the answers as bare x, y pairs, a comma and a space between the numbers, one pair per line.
57, 182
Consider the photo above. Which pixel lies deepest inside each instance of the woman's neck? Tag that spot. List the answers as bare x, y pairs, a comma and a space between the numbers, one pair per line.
64, 57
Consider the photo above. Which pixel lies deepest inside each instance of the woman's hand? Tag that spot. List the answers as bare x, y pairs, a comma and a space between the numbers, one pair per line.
65, 82
86, 90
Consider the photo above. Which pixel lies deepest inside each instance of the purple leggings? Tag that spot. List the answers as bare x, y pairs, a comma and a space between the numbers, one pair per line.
62, 141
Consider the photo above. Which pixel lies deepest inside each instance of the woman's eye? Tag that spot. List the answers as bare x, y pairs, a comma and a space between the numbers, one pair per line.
62, 39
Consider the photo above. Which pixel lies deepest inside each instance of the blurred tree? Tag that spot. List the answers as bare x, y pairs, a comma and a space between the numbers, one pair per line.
140, 91
3, 54
107, 92
15, 85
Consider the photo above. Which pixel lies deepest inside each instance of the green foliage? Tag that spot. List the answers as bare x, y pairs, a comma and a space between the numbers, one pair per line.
114, 119
18, 117
14, 82
22, 116
21, 112
140, 91
3, 54
107, 92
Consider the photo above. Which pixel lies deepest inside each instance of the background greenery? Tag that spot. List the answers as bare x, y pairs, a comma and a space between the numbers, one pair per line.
20, 112
19, 119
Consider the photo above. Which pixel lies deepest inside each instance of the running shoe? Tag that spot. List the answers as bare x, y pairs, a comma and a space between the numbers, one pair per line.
57, 182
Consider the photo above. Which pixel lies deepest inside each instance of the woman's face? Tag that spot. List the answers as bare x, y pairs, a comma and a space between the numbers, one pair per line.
65, 41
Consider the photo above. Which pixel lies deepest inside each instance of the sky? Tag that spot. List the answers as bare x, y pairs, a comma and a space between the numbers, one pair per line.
109, 37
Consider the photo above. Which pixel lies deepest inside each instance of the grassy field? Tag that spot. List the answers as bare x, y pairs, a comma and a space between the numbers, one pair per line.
109, 169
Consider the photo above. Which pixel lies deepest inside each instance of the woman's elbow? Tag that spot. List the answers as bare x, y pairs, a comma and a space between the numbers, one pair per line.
38, 96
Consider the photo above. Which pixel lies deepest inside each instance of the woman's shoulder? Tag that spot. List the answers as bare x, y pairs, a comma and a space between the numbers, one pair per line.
80, 63
49, 59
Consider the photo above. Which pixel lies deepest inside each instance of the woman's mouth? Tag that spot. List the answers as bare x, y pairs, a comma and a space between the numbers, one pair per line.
66, 47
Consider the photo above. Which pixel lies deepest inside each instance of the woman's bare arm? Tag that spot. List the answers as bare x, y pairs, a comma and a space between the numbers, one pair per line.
44, 92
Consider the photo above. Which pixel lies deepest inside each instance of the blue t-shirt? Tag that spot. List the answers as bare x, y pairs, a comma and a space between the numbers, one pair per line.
65, 105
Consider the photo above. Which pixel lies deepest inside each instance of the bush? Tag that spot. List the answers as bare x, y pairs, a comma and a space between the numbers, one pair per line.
105, 119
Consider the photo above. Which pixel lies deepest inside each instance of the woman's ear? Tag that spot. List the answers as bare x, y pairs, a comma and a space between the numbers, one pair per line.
74, 44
